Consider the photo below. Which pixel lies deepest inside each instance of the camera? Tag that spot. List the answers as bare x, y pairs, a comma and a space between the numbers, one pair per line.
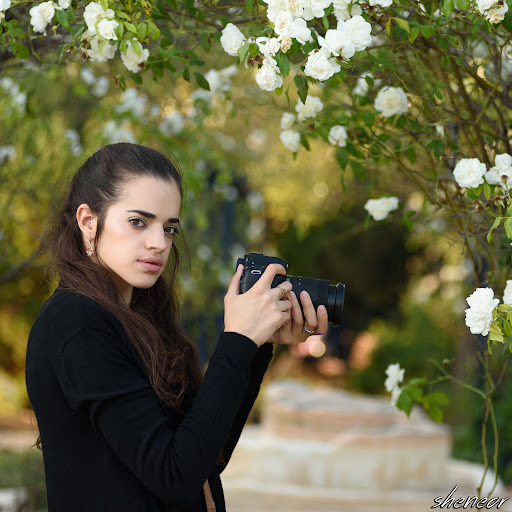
320, 291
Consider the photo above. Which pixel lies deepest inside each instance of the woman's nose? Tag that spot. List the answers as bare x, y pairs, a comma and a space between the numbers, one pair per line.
156, 240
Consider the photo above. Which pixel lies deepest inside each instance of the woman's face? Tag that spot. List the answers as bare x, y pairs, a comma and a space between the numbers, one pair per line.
138, 233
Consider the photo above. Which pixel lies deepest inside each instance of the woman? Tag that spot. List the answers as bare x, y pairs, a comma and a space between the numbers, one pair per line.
127, 422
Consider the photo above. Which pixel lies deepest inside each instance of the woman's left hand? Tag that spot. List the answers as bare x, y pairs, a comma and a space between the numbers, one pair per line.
292, 332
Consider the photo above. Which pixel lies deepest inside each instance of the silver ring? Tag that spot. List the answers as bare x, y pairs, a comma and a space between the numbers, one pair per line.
307, 330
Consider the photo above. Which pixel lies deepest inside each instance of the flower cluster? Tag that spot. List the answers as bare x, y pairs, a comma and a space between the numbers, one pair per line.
380, 208
493, 10
470, 172
305, 111
395, 375
479, 314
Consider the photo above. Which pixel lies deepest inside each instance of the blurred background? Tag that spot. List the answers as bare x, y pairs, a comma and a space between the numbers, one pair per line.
405, 288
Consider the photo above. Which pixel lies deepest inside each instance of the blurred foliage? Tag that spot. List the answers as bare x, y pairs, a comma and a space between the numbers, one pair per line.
24, 469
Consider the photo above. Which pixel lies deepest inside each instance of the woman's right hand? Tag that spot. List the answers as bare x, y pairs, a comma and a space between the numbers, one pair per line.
259, 312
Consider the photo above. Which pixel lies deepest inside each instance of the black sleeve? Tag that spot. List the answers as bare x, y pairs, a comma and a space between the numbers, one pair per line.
258, 368
99, 376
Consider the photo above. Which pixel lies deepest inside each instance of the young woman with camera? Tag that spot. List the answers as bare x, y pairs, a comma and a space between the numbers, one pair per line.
127, 421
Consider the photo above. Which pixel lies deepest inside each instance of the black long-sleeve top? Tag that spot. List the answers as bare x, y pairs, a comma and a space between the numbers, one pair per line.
108, 442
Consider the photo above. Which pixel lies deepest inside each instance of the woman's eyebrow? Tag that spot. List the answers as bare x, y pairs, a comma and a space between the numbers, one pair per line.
172, 220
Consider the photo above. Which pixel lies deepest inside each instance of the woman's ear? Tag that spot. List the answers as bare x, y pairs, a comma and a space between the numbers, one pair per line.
87, 221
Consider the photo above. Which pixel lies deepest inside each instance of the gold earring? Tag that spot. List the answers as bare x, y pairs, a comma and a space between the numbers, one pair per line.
89, 249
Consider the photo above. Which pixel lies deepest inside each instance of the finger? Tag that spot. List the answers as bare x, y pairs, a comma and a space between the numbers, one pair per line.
234, 284
322, 319
296, 311
268, 276
309, 311
286, 286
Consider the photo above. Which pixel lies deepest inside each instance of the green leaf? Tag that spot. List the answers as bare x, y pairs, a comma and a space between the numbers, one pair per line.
224, 20
104, 4
186, 74
131, 27
463, 5
201, 81
142, 32
403, 24
435, 413
426, 31
416, 394
205, 41
283, 63
507, 22
19, 50
136, 78
325, 21
63, 18
440, 398
77, 31
447, 8
357, 169
508, 227
342, 156
415, 32
418, 381
495, 333
411, 154
302, 87
405, 402
243, 52
487, 191
495, 224
135, 47
354, 152
249, 6
368, 118
507, 328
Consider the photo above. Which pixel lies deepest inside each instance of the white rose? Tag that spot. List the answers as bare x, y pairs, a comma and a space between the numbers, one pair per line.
485, 5
290, 140
64, 4
495, 175
440, 129
380, 208
5, 4
93, 13
469, 172
107, 52
507, 293
503, 161
320, 66
132, 61
337, 43
268, 77
358, 30
287, 121
37, 19
298, 29
232, 39
47, 10
497, 15
382, 3
106, 28
311, 108
314, 8
338, 136
286, 43
274, 7
479, 314
395, 375
268, 46
282, 21
391, 101
172, 124
343, 11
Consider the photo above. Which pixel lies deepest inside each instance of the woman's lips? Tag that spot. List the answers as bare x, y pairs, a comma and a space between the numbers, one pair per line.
151, 264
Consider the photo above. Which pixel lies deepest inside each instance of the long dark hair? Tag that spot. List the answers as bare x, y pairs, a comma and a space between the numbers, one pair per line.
151, 320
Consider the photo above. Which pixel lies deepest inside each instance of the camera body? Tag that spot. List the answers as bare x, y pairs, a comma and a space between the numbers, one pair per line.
320, 291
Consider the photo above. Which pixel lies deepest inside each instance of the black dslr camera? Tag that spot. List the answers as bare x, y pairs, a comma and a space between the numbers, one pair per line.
320, 291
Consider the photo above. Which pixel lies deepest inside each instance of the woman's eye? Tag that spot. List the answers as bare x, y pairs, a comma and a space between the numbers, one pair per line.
171, 230
138, 223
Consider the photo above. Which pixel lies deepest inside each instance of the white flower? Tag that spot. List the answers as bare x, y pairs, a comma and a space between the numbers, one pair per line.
172, 124
320, 66
485, 5
287, 121
343, 11
6, 153
507, 293
106, 28
41, 15
64, 4
380, 208
503, 161
440, 129
88, 76
298, 29
115, 133
391, 101
338, 136
311, 108
107, 52
282, 21
101, 86
93, 13
479, 314
362, 87
395, 375
268, 77
274, 7
469, 172
314, 8
497, 15
132, 61
268, 46
290, 140
382, 3
5, 4
495, 175
232, 39
133, 102
358, 30
337, 42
